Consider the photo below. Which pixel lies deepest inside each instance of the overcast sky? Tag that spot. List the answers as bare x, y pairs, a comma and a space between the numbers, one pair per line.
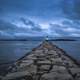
39, 18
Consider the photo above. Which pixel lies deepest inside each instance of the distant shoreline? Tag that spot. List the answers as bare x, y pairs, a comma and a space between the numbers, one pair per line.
62, 40
37, 40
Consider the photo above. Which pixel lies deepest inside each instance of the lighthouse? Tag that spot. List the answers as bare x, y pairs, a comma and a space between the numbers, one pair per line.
47, 38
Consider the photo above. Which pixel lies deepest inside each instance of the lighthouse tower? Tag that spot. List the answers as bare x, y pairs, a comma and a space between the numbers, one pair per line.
47, 38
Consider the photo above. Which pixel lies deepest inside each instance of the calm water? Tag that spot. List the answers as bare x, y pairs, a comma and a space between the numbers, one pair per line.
13, 50
71, 47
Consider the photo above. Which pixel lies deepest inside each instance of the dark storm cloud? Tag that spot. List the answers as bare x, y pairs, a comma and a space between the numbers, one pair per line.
71, 8
73, 24
40, 8
56, 28
8, 29
66, 28
6, 26
43, 10
34, 26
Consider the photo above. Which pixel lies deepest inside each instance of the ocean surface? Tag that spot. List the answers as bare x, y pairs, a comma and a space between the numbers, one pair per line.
71, 47
12, 50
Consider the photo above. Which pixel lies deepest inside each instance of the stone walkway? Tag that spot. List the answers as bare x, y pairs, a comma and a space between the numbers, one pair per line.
46, 62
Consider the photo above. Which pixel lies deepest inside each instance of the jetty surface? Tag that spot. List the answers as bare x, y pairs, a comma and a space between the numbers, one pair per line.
45, 62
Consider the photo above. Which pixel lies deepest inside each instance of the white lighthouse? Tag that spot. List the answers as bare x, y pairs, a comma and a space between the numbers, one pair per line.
47, 38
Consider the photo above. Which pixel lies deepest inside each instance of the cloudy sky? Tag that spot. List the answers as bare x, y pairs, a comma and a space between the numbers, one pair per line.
20, 18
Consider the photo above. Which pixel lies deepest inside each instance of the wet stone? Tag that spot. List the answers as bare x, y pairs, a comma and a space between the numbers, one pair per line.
38, 51
75, 70
45, 67
46, 62
59, 69
26, 63
56, 76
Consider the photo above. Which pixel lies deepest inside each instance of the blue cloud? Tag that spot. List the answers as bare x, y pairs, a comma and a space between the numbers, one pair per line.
64, 28
68, 28
10, 30
45, 9
42, 11
34, 26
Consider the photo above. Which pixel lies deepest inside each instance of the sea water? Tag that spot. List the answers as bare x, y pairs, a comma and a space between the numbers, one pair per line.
13, 50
